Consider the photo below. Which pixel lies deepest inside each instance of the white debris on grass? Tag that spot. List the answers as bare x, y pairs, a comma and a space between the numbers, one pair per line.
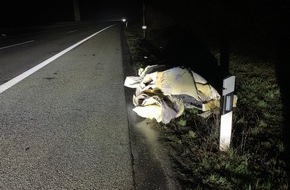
163, 92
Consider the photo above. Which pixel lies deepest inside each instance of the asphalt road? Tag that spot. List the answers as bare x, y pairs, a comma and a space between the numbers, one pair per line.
22, 49
69, 124
64, 126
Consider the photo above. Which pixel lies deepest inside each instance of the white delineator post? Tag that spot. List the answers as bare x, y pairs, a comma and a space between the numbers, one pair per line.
227, 113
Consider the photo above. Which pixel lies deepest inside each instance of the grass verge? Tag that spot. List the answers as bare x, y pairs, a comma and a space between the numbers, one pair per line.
255, 159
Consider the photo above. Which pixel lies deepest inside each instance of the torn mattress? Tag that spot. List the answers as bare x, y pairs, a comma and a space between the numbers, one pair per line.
163, 93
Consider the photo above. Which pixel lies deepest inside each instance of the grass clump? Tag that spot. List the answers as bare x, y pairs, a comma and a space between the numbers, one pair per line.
256, 157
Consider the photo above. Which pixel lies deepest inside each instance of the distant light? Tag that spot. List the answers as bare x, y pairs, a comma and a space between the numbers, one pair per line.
123, 20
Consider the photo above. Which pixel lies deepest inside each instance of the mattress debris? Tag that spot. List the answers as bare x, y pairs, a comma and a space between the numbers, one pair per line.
163, 92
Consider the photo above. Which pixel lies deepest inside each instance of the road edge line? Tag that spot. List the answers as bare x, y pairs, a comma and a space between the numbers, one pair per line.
32, 70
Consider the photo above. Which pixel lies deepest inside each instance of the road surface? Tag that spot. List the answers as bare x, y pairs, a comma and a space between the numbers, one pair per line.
65, 125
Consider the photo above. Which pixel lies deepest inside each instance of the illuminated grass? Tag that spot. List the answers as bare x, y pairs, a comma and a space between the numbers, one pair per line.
255, 159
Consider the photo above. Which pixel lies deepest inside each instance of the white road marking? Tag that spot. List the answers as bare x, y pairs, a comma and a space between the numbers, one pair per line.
5, 47
29, 72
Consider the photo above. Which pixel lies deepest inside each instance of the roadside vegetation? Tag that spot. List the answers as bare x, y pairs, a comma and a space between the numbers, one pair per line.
256, 158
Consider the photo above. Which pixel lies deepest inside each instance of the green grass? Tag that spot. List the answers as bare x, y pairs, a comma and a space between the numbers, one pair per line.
255, 159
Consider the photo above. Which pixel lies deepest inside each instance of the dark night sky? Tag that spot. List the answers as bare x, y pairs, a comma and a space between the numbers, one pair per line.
247, 14
19, 13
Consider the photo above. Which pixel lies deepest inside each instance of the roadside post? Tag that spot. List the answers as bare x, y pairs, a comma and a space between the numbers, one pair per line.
226, 113
144, 30
76, 7
144, 27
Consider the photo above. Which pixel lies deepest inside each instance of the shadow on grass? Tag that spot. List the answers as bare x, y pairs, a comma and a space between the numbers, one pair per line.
281, 42
282, 61
187, 49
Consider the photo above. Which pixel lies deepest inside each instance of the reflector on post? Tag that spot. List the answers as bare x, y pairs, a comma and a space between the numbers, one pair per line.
227, 112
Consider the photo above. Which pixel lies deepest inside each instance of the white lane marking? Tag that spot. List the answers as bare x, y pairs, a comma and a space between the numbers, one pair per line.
22, 76
72, 31
5, 47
